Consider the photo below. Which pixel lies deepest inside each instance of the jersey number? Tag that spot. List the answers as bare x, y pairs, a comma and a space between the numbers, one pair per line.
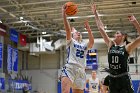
94, 86
79, 53
115, 59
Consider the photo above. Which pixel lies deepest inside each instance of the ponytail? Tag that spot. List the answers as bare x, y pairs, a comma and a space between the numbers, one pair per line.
126, 40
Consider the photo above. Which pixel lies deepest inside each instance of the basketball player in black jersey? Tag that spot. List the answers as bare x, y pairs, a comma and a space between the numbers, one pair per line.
118, 53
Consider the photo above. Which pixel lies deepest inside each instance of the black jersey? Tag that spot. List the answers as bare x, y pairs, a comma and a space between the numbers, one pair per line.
117, 58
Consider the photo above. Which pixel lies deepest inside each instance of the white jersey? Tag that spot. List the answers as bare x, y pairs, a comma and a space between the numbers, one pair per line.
94, 85
76, 53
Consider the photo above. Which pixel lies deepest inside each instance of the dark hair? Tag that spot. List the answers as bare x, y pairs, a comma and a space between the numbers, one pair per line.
125, 39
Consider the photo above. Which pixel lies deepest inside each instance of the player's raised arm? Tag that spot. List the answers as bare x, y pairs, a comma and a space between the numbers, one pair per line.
133, 45
91, 37
134, 21
66, 23
100, 25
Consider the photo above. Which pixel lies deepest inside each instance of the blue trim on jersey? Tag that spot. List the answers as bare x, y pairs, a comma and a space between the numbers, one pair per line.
68, 54
64, 70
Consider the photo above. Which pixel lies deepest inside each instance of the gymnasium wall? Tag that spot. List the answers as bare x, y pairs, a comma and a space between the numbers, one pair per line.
44, 81
42, 61
44, 72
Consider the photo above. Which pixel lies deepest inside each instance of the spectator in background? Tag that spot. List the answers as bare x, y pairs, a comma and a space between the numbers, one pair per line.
95, 85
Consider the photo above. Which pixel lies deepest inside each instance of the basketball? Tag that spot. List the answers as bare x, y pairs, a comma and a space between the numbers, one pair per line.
71, 8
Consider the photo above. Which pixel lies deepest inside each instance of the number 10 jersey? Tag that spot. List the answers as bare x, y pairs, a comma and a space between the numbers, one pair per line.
117, 58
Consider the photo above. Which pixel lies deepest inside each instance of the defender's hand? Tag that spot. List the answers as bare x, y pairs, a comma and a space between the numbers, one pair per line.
131, 18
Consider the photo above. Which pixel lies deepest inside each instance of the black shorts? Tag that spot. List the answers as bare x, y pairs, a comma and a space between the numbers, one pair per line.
121, 84
106, 81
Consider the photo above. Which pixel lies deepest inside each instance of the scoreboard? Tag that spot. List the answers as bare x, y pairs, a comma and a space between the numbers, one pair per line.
92, 59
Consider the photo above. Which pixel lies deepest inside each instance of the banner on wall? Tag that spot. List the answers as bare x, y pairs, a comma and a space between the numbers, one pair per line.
1, 49
92, 59
13, 35
136, 85
3, 29
9, 59
20, 84
22, 39
12, 59
2, 83
15, 59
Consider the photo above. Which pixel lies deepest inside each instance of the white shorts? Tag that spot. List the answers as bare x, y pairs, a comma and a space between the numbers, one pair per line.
76, 74
94, 92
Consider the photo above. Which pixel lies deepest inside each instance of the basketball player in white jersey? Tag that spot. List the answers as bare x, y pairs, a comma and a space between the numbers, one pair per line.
73, 73
95, 85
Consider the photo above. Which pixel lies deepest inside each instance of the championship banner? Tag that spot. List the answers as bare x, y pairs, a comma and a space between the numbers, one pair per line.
22, 39
1, 48
15, 60
9, 59
2, 83
13, 35
19, 84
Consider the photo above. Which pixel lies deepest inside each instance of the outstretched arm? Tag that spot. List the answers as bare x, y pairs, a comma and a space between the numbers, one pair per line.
133, 45
66, 24
91, 38
134, 21
100, 25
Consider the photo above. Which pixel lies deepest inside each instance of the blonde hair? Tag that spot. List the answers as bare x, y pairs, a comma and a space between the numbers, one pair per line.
93, 71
